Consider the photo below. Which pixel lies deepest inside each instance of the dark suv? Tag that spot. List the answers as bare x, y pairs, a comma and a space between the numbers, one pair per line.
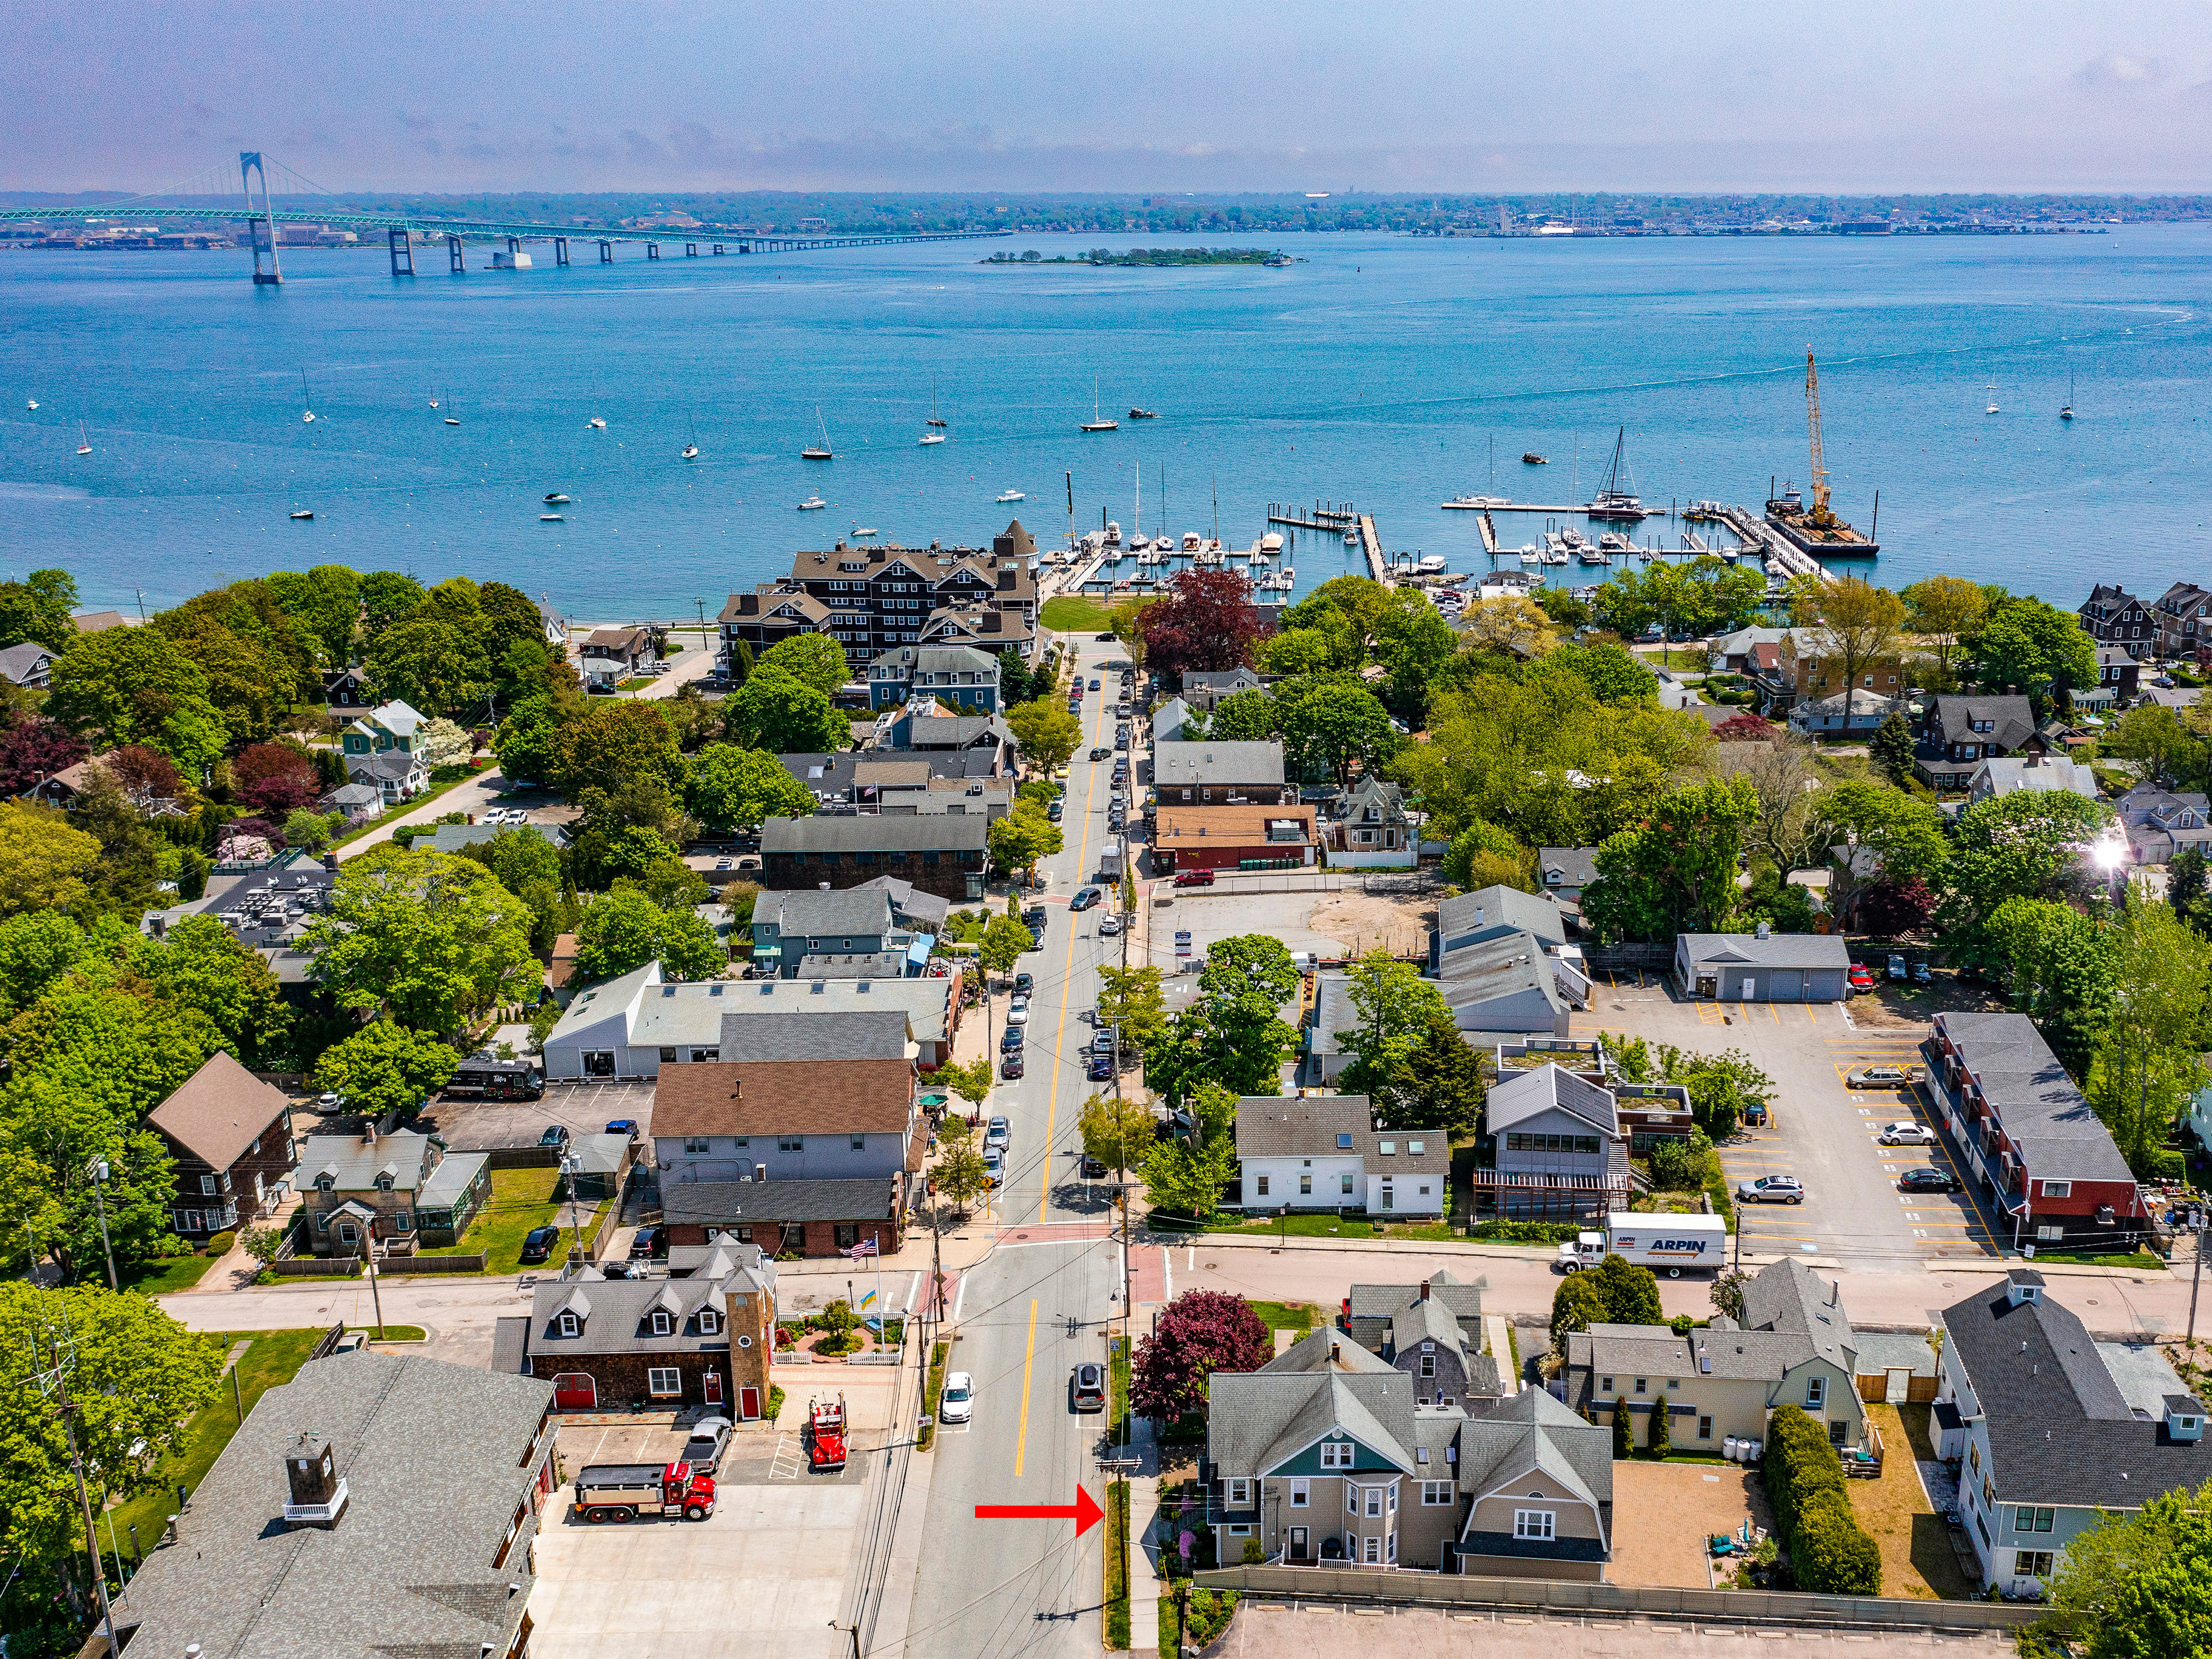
539, 1243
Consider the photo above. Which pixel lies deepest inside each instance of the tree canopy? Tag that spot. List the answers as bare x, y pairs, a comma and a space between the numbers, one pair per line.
422, 937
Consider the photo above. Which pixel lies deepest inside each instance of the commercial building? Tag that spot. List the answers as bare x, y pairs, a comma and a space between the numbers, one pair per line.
957, 675
1206, 774
1234, 838
945, 854
1763, 966
1501, 959
1323, 1152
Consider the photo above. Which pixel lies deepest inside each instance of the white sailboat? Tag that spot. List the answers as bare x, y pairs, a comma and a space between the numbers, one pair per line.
933, 433
451, 419
307, 416
1098, 422
1992, 408
818, 452
84, 439
2065, 414
691, 440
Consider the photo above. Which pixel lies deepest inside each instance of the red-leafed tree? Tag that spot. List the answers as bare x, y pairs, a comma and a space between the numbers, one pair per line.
1891, 910
33, 750
1202, 1332
274, 779
1204, 624
1744, 728
144, 772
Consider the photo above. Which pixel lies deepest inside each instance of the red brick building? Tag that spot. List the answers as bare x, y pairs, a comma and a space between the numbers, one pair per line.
1234, 838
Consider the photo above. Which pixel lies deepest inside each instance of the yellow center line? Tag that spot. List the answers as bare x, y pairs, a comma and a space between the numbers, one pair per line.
1067, 968
1029, 1365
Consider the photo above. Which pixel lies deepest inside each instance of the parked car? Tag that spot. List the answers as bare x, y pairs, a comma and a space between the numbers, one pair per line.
1034, 915
1120, 739
1862, 977
998, 1136
351, 1342
613, 1269
1094, 1168
999, 1126
1193, 879
1928, 1180
1018, 1011
958, 1403
1101, 1068
555, 1135
1023, 984
330, 1103
1109, 926
1772, 1190
1897, 967
538, 1243
1012, 1067
650, 1242
1086, 1387
1084, 898
623, 1125
1103, 1043
1886, 1077
1905, 1132
1922, 974
994, 1164
1055, 811
710, 1438
1010, 1040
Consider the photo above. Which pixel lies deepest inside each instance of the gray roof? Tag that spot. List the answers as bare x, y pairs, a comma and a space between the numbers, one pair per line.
1489, 912
1573, 867
1789, 1296
1882, 1351
2013, 774
23, 663
1176, 765
2044, 1114
1532, 1430
926, 833
951, 731
1495, 967
833, 773
354, 1162
615, 1315
1257, 1420
350, 794
812, 914
1169, 718
909, 902
1776, 951
859, 964
510, 1345
752, 1033
435, 1461
1526, 1094
397, 765
1333, 1012
1311, 1125
1379, 1301
1219, 679
452, 837
2011, 719
1864, 703
1791, 1316
925, 1001
938, 658
2060, 1429
1325, 1347
745, 1203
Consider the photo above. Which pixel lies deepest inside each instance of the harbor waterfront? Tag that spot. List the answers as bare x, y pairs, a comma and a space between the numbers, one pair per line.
1397, 372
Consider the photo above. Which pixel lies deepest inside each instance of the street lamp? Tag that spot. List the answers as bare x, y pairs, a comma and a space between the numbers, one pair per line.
569, 1173
99, 1186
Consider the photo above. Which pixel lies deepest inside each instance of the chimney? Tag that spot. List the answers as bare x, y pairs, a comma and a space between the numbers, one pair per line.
1425, 1290
369, 1131
317, 1490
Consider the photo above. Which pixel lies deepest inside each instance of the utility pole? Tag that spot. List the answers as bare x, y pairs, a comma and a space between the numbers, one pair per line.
99, 1178
58, 1378
2195, 1272
369, 1258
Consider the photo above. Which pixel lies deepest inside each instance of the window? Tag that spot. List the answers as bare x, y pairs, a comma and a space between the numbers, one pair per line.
1374, 1500
1351, 1499
1390, 1547
207, 1183
1838, 1432
2031, 1563
1371, 1552
1532, 1524
1240, 1493
2033, 1520
1336, 1455
402, 1222
710, 1322
791, 1143
1605, 1385
698, 1146
1534, 1143
2057, 1189
1260, 1187
1305, 1186
1705, 1428
794, 1238
1974, 1457
1434, 1492
188, 1221
1641, 1383
1347, 1179
569, 1324
1428, 1364
664, 1382
661, 1323
1393, 1500
847, 1234
1414, 1148
1816, 1392
668, 1055
1301, 1494
2050, 1234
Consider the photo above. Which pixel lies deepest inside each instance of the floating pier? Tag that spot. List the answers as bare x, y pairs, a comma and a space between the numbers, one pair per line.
1371, 545
1339, 516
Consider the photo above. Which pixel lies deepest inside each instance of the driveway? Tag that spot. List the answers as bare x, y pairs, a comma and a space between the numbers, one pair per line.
1823, 1132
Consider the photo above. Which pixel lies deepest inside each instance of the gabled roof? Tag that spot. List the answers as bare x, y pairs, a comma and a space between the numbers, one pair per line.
1567, 867
922, 833
219, 1111
1488, 912
2011, 720
397, 765
1326, 1348
2014, 775
400, 718
1256, 1421
809, 913
1532, 1430
353, 1162
614, 1314
1525, 1095
1789, 1296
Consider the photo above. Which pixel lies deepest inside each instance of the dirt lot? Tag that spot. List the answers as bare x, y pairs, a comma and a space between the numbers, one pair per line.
1311, 1631
1663, 1512
1398, 922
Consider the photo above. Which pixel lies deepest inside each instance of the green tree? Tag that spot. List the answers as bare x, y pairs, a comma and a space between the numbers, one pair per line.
325, 602
2062, 968
1130, 998
960, 1174
1576, 1306
385, 597
2035, 647
1119, 1132
1659, 1437
44, 863
2138, 1584
2148, 1062
1631, 1293
1232, 1035
1243, 717
1941, 612
1855, 626
528, 742
1298, 651
201, 964
1624, 1430
136, 1376
971, 1082
37, 947
1189, 1179
2026, 845
776, 711
1018, 839
38, 609
126, 685
1395, 1006
814, 659
426, 939
733, 788
612, 744
385, 1068
1440, 1085
1497, 845
1720, 1085
1329, 725
431, 665
1677, 874
1047, 733
1614, 674
625, 929
1003, 942
1890, 749
2173, 755
51, 1136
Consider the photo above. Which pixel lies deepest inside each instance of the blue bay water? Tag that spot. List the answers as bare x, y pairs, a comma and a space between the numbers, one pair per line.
1384, 371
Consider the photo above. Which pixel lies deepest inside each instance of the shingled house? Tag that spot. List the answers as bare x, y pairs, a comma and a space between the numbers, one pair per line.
230, 1135
1431, 1332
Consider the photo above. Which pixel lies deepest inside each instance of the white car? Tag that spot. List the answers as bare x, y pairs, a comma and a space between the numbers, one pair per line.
1018, 1011
1906, 1134
1109, 926
957, 1404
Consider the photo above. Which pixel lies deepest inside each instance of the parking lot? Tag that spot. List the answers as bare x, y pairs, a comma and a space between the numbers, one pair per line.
584, 1108
1823, 1131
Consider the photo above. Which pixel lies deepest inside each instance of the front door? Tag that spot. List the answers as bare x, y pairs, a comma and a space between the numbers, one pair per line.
1298, 1544
575, 1391
711, 1384
1750, 990
748, 1402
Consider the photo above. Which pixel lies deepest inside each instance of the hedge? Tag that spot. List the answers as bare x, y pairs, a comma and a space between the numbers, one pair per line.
1527, 1233
1829, 1552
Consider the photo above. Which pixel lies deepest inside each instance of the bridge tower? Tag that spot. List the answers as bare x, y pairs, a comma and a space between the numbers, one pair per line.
261, 230
401, 241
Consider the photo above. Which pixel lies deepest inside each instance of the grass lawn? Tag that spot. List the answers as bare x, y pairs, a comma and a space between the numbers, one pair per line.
176, 1273
521, 1200
1675, 657
2142, 1261
1069, 613
394, 1333
1916, 1559
1329, 1226
272, 1359
1117, 1401
1284, 1316
1117, 1565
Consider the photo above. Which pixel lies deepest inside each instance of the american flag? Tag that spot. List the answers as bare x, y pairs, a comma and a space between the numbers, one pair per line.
866, 1246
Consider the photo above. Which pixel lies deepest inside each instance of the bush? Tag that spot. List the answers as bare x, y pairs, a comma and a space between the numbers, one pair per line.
1829, 1553
1623, 1433
1255, 1553
1206, 1614
1527, 1233
1662, 1436
1678, 1163
219, 1244
775, 1402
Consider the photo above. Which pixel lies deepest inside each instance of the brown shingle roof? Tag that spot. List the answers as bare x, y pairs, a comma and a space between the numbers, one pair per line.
783, 1097
219, 1111
1239, 826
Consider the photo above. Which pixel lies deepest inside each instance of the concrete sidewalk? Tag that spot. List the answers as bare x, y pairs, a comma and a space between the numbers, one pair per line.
1144, 1546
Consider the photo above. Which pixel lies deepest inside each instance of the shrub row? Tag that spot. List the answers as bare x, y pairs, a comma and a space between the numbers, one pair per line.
1829, 1552
1526, 1232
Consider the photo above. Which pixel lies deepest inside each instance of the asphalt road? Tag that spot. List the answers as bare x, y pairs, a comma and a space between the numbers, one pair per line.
990, 1589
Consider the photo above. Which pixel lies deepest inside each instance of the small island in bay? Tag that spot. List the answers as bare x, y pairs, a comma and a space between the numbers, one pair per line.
1148, 255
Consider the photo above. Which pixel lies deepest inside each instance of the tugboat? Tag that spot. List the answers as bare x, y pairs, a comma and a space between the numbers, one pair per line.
1143, 415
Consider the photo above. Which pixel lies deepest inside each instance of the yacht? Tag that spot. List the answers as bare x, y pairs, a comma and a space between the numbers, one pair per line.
549, 518
1532, 459
1589, 554
557, 499
1614, 542
1531, 555
812, 504
1143, 415
2065, 414
1098, 422
1113, 532
1477, 503
303, 513
1429, 564
1191, 541
1618, 499
933, 429
1005, 495
596, 424
863, 530
1140, 542
818, 452
1271, 544
1352, 538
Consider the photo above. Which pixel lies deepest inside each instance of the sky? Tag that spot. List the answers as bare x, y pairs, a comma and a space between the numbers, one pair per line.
1448, 96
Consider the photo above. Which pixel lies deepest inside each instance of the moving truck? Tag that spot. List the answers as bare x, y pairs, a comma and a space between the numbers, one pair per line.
625, 1491
1664, 1243
1109, 860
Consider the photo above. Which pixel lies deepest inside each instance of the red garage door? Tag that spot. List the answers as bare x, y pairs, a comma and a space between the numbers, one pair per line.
575, 1391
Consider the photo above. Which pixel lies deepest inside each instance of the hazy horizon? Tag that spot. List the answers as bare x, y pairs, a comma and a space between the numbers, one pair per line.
1234, 97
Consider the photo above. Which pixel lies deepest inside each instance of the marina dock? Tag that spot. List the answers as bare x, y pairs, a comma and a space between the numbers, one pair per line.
1489, 528
1371, 545
1339, 516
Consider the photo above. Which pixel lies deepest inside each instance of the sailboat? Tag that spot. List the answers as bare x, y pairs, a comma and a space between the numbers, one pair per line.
452, 420
818, 452
2065, 414
1097, 423
84, 439
308, 416
934, 435
1992, 408
1618, 499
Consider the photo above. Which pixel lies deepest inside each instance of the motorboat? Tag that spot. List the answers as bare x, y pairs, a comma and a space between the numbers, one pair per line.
558, 498
1143, 415
1351, 539
1614, 542
1271, 544
1191, 541
1531, 555
1477, 503
1530, 458
862, 530
691, 452
1005, 495
1429, 564
2065, 414
549, 518
303, 513
812, 504
596, 424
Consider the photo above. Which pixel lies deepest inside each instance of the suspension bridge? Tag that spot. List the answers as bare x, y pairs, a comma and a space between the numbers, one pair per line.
403, 230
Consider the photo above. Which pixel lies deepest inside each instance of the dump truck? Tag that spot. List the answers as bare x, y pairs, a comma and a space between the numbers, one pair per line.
1665, 1243
632, 1492
825, 1435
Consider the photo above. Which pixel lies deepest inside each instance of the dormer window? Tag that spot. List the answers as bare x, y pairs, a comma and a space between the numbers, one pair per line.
710, 1322
662, 1324
570, 1324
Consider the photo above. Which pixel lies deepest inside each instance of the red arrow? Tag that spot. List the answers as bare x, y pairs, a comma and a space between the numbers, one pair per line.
1084, 1511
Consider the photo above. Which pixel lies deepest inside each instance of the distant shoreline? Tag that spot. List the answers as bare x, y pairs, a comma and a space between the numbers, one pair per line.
1148, 257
